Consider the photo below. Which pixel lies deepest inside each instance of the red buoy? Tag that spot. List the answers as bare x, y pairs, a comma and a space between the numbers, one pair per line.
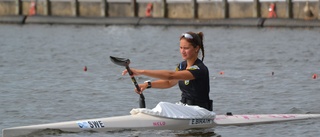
314, 76
221, 72
85, 68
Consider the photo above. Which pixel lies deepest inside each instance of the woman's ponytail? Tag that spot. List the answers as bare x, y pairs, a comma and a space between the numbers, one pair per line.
200, 34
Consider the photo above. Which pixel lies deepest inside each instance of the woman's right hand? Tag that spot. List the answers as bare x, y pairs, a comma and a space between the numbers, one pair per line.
142, 88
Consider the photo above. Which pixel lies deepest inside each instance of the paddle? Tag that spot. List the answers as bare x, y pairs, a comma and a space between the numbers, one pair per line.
125, 62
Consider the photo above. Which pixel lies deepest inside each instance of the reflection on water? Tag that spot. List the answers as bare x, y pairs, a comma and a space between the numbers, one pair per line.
46, 132
198, 133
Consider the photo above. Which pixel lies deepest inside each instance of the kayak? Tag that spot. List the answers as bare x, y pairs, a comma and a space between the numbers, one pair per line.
163, 117
145, 122
146, 119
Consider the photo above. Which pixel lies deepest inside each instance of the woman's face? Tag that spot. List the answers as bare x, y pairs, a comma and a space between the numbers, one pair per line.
187, 50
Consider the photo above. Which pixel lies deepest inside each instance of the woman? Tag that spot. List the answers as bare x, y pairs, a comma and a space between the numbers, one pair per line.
191, 74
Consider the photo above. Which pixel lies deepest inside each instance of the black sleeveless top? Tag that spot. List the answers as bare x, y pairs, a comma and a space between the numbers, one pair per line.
197, 89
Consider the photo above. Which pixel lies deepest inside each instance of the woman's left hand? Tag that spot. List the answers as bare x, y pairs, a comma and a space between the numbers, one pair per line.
134, 72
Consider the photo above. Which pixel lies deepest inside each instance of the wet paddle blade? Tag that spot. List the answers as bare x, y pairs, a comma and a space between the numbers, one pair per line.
120, 61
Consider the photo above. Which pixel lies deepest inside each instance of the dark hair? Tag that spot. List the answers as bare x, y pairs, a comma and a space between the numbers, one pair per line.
196, 40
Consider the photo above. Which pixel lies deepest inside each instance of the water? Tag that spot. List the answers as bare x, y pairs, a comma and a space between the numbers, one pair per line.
43, 81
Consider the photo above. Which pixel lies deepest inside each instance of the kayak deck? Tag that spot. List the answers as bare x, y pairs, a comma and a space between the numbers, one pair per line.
234, 120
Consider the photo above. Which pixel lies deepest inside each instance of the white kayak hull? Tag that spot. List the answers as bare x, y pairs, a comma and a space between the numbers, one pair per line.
143, 121
130, 122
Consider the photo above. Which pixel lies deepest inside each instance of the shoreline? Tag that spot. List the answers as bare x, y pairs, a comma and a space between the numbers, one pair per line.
140, 21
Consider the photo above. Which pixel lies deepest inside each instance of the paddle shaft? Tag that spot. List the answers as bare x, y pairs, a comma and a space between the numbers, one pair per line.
125, 62
142, 103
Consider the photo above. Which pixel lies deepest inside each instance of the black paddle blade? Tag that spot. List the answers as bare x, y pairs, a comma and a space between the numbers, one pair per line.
120, 61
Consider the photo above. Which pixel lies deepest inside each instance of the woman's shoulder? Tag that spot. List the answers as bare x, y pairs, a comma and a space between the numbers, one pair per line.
200, 64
